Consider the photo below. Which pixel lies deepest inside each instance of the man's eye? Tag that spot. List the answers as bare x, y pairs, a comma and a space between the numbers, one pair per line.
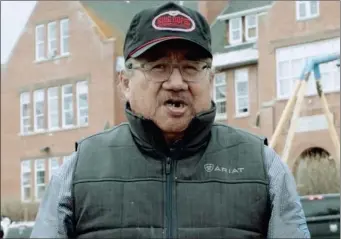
190, 68
159, 67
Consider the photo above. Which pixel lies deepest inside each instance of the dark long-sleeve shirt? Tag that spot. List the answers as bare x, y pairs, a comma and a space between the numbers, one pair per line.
54, 218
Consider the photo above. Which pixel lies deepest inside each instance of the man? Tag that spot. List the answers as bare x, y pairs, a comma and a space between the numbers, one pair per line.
171, 172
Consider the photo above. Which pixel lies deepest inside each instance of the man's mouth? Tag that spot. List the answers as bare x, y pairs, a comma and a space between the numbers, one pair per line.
176, 108
175, 103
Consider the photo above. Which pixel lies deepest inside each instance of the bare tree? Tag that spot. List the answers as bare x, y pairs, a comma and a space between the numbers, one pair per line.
316, 173
18, 211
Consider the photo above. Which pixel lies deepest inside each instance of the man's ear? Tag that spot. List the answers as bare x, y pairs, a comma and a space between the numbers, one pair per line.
124, 83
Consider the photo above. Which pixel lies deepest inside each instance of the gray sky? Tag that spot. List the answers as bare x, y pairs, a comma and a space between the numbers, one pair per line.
14, 15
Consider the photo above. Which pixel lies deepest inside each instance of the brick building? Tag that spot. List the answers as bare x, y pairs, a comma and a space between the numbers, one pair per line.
260, 50
60, 81
61, 76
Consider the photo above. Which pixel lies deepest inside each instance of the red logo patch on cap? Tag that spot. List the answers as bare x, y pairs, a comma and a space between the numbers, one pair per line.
174, 21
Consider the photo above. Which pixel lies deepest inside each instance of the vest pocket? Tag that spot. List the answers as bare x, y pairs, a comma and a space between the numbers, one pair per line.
121, 205
220, 206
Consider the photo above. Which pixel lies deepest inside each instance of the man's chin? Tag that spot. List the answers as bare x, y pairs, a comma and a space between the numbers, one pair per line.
175, 127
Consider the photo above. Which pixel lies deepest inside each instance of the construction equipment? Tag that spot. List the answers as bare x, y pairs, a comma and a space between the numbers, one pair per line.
294, 105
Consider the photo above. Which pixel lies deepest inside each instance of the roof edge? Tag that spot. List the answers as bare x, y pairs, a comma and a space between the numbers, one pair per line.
245, 12
21, 34
91, 15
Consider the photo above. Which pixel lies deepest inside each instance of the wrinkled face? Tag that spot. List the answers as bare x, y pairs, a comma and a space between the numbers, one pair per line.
169, 100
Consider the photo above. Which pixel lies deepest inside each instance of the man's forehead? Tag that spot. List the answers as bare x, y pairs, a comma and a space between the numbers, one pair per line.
179, 49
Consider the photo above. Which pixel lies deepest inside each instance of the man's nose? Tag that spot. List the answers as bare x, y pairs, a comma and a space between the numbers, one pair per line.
175, 81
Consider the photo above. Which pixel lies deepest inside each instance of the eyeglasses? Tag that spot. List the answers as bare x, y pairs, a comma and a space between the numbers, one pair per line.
160, 71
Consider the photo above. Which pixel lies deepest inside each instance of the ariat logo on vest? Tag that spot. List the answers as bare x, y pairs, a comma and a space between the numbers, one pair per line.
209, 167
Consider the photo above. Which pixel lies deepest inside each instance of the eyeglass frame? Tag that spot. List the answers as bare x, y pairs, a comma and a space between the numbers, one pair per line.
141, 66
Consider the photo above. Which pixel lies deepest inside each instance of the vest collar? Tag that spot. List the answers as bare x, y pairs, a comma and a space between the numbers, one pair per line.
150, 140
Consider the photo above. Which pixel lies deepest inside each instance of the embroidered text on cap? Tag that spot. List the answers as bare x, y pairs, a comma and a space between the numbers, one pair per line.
173, 21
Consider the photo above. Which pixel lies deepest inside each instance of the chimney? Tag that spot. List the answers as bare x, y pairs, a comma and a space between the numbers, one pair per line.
211, 9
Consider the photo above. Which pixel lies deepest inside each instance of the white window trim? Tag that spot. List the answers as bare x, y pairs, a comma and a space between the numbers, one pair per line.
236, 81
78, 85
307, 8
37, 42
51, 52
56, 111
240, 29
22, 118
34, 111
22, 171
220, 116
62, 37
50, 166
305, 50
247, 26
72, 109
36, 185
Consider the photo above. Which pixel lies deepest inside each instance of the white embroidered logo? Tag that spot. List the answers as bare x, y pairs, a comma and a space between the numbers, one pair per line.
215, 168
173, 21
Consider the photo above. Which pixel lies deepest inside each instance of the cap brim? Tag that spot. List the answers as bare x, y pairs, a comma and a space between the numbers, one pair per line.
154, 42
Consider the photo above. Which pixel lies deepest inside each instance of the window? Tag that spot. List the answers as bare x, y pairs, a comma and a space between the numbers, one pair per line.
64, 37
53, 166
291, 60
26, 182
40, 42
39, 110
39, 166
52, 39
307, 9
82, 102
53, 108
251, 27
241, 92
235, 31
25, 113
219, 94
67, 106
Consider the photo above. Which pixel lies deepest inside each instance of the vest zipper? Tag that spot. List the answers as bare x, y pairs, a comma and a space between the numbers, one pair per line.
169, 202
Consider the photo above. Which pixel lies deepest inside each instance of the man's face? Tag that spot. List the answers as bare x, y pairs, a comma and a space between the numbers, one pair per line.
170, 104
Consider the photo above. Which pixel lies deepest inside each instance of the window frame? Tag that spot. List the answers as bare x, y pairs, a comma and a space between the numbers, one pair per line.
247, 27
240, 29
219, 115
307, 6
22, 186
35, 116
72, 106
40, 42
78, 93
23, 118
49, 109
51, 168
305, 51
52, 52
238, 80
36, 184
63, 37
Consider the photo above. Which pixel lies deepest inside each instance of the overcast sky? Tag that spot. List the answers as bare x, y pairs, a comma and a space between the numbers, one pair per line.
14, 15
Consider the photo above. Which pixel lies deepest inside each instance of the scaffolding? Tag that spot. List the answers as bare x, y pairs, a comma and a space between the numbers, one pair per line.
294, 105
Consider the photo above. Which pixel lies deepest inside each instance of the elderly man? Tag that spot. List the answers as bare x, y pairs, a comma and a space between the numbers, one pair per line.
171, 172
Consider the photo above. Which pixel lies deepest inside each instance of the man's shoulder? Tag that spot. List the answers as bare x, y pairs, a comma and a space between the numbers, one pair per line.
224, 130
107, 137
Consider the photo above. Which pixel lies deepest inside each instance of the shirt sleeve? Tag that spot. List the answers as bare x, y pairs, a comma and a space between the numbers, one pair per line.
287, 216
55, 213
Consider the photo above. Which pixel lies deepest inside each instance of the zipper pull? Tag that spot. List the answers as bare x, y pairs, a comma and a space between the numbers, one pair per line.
168, 165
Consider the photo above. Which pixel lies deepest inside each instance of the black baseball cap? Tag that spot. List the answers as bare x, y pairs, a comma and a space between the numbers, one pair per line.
168, 22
